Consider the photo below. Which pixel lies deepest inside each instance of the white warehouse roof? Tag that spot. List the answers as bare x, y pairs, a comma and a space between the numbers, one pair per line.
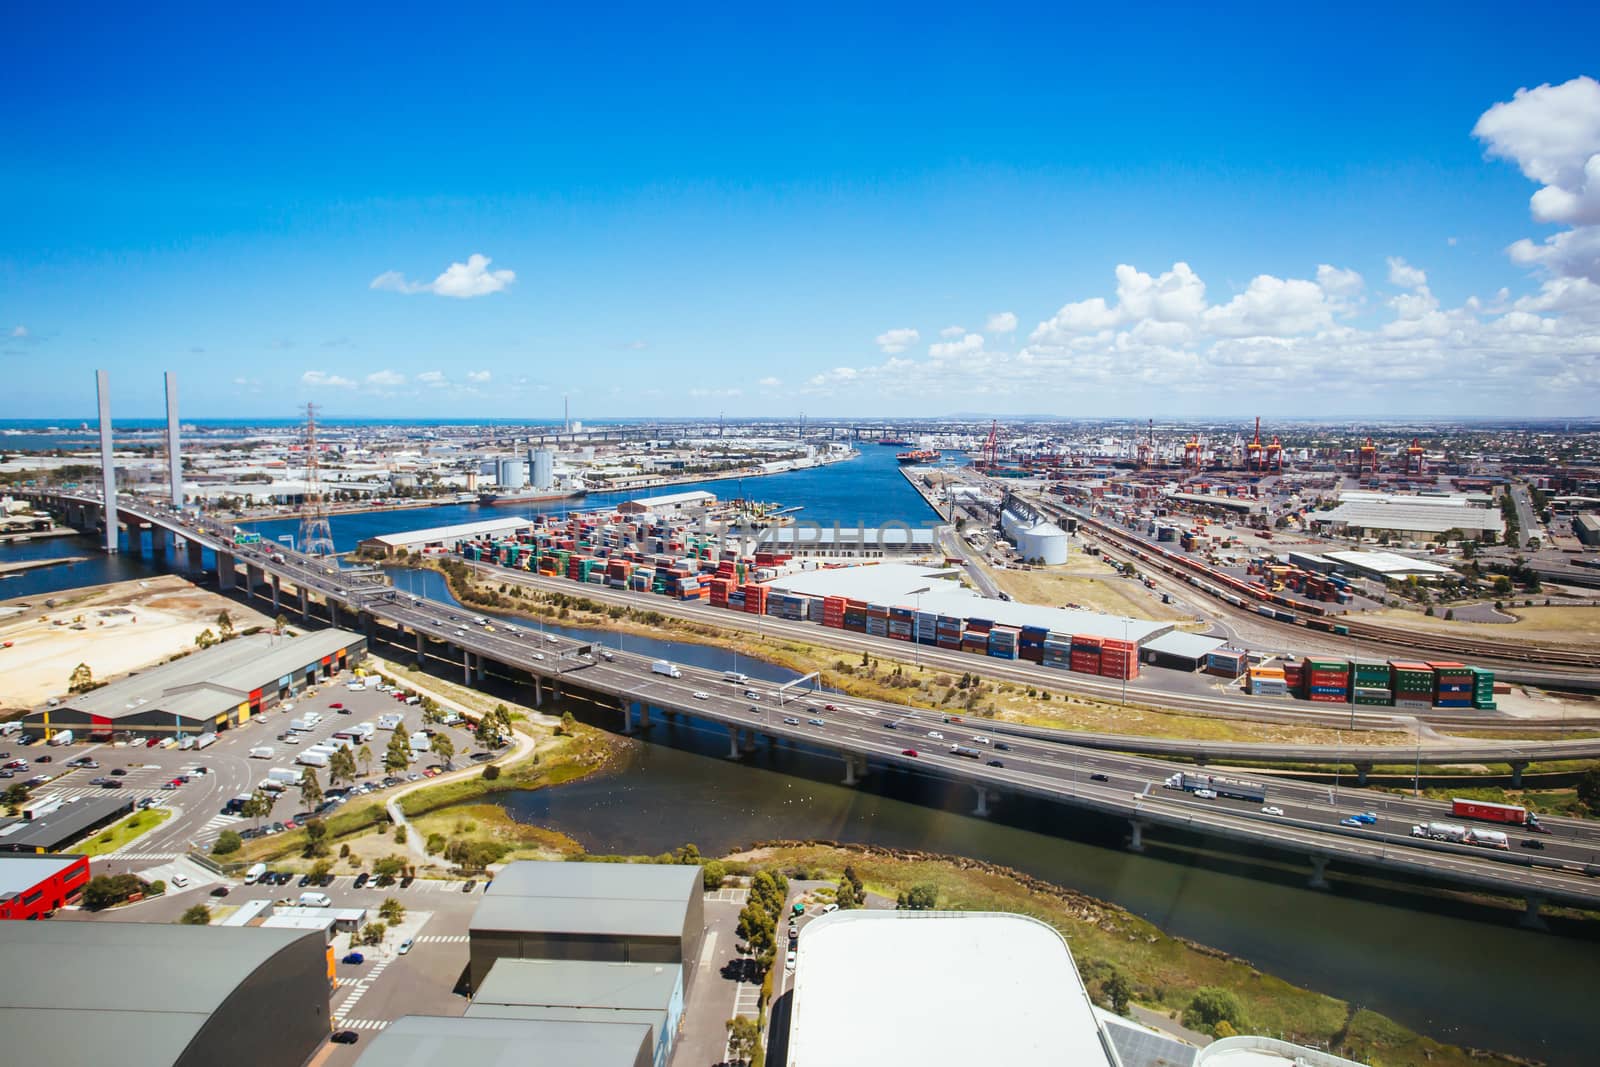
441, 534
967, 987
1389, 564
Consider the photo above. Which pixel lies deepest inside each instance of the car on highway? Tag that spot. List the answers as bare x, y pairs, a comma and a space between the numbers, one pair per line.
1351, 820
1366, 818
1002, 746
459, 633
1272, 809
909, 752
829, 707
751, 694
1205, 794
701, 694
1098, 777
935, 735
790, 720
997, 763
816, 722
979, 739
608, 655
1529, 842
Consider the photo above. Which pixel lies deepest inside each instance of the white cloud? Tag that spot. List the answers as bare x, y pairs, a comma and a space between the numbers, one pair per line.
459, 280
1001, 322
19, 331
319, 379
385, 379
1405, 275
1340, 285
433, 379
1552, 134
969, 344
952, 331
478, 377
897, 340
770, 383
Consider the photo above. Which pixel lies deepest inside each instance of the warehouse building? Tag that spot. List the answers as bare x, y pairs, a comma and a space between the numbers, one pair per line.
33, 886
1420, 518
1179, 650
444, 1041
210, 690
667, 504
441, 538
1387, 565
969, 987
582, 991
56, 830
856, 542
601, 912
75, 994
1587, 527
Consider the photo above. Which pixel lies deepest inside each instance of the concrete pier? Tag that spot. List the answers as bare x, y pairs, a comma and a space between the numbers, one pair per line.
1530, 917
855, 768
982, 810
226, 575
277, 596
1136, 841
733, 742
1319, 870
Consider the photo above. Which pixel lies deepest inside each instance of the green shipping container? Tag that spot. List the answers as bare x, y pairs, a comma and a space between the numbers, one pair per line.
1328, 665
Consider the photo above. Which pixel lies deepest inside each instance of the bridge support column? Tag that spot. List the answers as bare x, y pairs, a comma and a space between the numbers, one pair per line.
466, 667
749, 742
855, 769
1136, 841
196, 559
1517, 767
644, 716
225, 572
477, 661
158, 543
629, 707
1530, 917
982, 810
1319, 869
333, 615
733, 742
253, 578
421, 646
1362, 770
305, 606
277, 596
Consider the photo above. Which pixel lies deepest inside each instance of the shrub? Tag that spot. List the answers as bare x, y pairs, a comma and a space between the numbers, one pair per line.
491, 771
713, 873
1212, 1007
228, 843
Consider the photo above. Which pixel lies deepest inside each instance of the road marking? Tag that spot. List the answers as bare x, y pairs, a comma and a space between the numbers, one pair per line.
445, 939
364, 1024
707, 949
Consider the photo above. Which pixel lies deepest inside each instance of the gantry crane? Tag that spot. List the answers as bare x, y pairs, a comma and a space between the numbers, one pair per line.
1253, 450
1415, 457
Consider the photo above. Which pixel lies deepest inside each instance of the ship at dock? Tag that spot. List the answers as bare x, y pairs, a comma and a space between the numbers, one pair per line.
920, 455
516, 497
897, 442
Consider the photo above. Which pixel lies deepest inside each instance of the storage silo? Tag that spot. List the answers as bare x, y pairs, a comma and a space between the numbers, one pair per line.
513, 473
1042, 541
542, 465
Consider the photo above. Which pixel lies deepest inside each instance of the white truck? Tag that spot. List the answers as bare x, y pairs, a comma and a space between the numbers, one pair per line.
315, 900
421, 742
312, 759
286, 775
205, 739
271, 785
390, 721
1441, 831
263, 752
301, 726
61, 737
253, 875
667, 668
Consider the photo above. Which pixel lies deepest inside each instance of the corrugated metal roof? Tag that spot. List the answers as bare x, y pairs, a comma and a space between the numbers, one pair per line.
693, 496
636, 881
1181, 643
580, 915
579, 984
63, 825
459, 532
1422, 517
438, 1041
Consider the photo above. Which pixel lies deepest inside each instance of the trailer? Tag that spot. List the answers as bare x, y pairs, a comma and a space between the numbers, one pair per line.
1236, 788
963, 750
1488, 838
205, 739
1489, 811
263, 752
1441, 831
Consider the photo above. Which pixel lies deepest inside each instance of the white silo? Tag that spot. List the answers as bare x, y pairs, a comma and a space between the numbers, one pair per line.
513, 473
542, 464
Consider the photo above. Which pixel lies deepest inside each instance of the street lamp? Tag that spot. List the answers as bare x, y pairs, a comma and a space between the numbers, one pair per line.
1125, 651
916, 653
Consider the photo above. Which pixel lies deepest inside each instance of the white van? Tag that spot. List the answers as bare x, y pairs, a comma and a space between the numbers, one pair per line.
735, 677
263, 752
315, 900
253, 875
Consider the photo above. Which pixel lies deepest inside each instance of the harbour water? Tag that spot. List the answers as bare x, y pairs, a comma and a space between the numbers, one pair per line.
1458, 973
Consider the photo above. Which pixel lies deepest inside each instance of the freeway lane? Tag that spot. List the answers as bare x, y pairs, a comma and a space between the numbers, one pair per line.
1040, 767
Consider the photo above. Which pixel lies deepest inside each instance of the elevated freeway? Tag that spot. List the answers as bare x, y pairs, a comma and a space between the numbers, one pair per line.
1297, 818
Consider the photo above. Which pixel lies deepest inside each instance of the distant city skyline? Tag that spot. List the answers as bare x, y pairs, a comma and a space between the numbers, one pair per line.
1048, 212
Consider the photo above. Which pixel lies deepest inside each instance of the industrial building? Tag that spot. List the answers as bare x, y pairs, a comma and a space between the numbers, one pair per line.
869, 542
668, 504
582, 991
210, 690
445, 1041
932, 590
1179, 650
1387, 565
54, 831
969, 987
88, 994
33, 886
1587, 527
601, 912
1419, 518
440, 538
1034, 538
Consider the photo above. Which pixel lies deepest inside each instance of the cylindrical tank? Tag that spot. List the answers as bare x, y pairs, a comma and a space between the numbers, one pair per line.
542, 464
513, 473
1044, 541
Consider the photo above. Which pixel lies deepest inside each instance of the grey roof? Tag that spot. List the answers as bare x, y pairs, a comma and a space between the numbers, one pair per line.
436, 1041
20, 873
578, 984
692, 496
579, 915
632, 881
1140, 1046
62, 825
1426, 518
208, 682
76, 984
656, 1019
458, 532
845, 535
1181, 643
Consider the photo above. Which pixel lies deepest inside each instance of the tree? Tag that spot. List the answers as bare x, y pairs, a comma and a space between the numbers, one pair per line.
489, 731
258, 807
391, 911
205, 638
442, 747
364, 757
227, 844
851, 893
397, 756
765, 894
921, 897
744, 1036
688, 855
321, 869
1589, 790
491, 771
1211, 1006
105, 890
712, 874
569, 725
16, 796
197, 915
341, 767
1502, 585
82, 679
225, 624
310, 789
316, 837
1118, 992
387, 869
757, 929
372, 933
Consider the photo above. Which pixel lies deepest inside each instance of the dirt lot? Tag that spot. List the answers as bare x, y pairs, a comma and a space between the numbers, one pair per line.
124, 627
1569, 625
1088, 583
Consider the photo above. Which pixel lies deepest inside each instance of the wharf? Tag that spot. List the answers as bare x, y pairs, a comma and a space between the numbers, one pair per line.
8, 569
17, 537
909, 473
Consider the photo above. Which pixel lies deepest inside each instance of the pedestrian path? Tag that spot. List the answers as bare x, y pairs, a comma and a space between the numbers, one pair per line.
364, 1024
156, 857
443, 939
75, 792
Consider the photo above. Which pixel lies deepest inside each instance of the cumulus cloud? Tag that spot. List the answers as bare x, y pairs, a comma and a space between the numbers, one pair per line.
952, 331
1405, 275
972, 342
1340, 285
320, 379
1001, 322
1552, 134
432, 378
770, 383
897, 340
385, 379
460, 280
478, 377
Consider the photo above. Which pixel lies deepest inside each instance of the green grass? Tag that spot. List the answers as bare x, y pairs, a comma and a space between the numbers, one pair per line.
120, 833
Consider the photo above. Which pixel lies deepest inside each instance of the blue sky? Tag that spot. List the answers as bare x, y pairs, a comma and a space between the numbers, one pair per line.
710, 213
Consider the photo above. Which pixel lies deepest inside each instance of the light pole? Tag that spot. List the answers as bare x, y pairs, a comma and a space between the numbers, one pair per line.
916, 653
1126, 652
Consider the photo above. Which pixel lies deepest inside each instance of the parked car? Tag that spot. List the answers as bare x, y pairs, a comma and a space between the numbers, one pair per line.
345, 1037
362, 879
472, 883
354, 958
405, 946
119, 771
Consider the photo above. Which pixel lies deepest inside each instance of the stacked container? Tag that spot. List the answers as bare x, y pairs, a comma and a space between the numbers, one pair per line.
1370, 684
926, 629
1085, 656
1412, 685
1453, 685
1483, 689
833, 612
1294, 676
950, 629
1057, 652
755, 598
1268, 681
1327, 681
1003, 642
1030, 644
1226, 662
1118, 659
976, 642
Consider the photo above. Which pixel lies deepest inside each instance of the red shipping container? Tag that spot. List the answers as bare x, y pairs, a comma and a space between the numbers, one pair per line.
1329, 698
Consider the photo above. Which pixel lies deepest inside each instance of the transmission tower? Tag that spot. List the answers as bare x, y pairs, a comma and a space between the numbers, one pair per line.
316, 536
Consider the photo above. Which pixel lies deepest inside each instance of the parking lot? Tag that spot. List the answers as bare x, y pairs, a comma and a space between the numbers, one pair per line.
198, 783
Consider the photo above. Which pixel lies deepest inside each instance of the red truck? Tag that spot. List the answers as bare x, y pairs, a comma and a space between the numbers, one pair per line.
1489, 811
